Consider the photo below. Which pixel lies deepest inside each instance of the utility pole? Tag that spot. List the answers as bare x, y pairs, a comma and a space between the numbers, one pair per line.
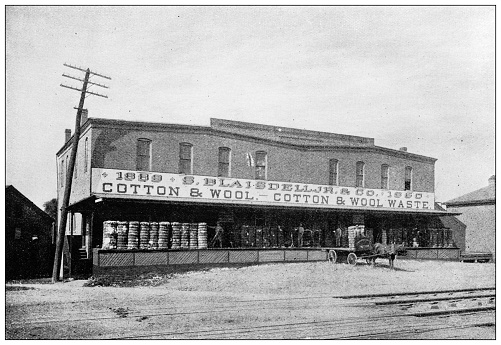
71, 164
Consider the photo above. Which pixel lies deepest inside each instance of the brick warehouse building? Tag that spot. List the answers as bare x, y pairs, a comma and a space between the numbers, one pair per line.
260, 183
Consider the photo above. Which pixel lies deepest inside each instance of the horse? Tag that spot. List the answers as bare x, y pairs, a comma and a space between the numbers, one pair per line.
387, 250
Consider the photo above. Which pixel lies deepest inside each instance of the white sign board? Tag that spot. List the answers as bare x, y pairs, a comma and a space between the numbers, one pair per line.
149, 185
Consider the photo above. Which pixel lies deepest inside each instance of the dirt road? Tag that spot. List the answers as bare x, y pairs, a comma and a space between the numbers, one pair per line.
279, 301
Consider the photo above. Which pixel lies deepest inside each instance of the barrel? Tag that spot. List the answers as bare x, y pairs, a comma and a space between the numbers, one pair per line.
163, 235
109, 235
272, 233
390, 235
185, 235
280, 237
202, 235
394, 233
193, 236
252, 236
176, 235
384, 237
133, 235
344, 237
122, 231
244, 235
235, 240
434, 238
267, 238
144, 235
153, 235
259, 238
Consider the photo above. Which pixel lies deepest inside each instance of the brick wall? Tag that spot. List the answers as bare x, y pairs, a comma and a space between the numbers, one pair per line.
116, 149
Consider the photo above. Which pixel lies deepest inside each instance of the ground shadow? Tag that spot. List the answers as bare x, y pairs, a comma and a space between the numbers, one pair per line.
381, 265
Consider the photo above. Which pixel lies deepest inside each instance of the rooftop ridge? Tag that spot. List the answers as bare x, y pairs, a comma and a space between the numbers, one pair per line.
483, 194
311, 141
282, 131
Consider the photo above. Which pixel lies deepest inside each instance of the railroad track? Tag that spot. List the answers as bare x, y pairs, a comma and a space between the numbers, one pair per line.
293, 302
391, 324
391, 327
397, 315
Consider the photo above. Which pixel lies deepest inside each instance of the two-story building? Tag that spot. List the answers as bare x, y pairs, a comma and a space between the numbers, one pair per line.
261, 183
29, 238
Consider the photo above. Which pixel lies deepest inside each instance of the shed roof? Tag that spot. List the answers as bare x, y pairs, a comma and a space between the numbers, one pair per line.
450, 221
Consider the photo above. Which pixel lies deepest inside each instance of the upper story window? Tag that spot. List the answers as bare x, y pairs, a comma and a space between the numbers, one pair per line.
86, 154
359, 182
261, 165
223, 169
143, 162
61, 174
64, 170
75, 173
408, 178
385, 171
185, 158
333, 168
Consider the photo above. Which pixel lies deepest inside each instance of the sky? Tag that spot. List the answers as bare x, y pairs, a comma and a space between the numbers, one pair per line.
422, 77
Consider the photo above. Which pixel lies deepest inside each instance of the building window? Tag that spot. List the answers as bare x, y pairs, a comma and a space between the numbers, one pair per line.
86, 154
384, 176
185, 158
75, 169
61, 173
360, 174
17, 234
408, 178
333, 167
143, 155
224, 162
260, 165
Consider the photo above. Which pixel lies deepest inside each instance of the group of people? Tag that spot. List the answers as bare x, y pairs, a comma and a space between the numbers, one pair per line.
313, 240
218, 238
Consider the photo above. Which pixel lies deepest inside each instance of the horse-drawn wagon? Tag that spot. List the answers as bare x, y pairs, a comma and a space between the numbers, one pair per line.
362, 247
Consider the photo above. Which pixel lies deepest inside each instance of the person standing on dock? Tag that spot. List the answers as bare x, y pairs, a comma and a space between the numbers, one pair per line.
338, 237
218, 237
300, 234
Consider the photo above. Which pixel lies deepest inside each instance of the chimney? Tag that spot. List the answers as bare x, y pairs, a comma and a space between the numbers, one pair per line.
67, 135
403, 149
492, 180
85, 116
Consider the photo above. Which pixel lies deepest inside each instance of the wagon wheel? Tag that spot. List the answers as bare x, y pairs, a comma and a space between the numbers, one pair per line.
332, 256
351, 259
